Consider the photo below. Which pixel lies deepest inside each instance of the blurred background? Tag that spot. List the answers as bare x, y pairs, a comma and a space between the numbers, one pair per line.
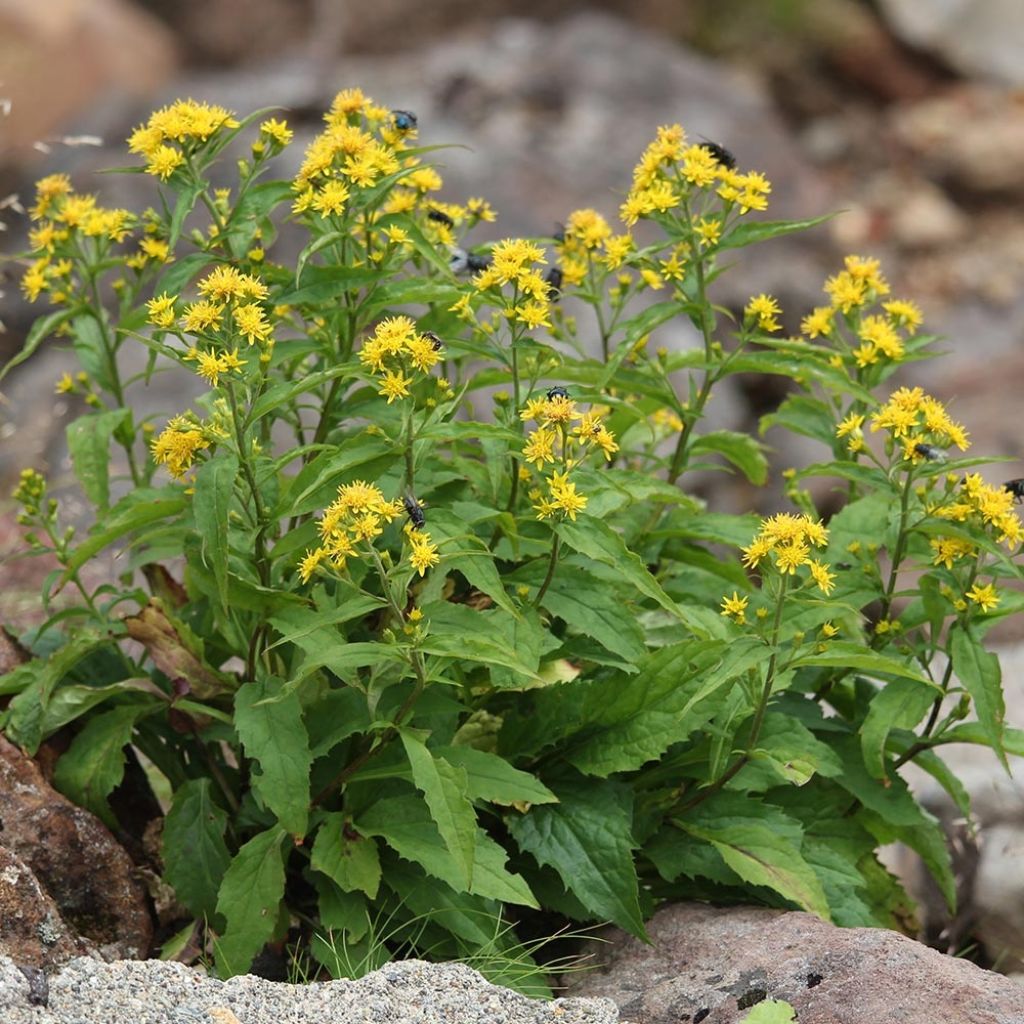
906, 115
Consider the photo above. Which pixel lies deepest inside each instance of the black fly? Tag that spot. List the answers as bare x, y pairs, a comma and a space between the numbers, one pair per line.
1016, 488
721, 154
440, 217
414, 510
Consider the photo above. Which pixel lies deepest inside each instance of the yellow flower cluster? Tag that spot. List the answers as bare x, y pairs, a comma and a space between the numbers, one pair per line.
587, 238
919, 422
176, 446
175, 131
362, 144
670, 171
986, 507
513, 262
788, 540
557, 441
62, 218
763, 310
395, 350
877, 337
358, 515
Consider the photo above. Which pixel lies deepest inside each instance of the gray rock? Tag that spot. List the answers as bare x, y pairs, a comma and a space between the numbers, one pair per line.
982, 40
712, 964
154, 992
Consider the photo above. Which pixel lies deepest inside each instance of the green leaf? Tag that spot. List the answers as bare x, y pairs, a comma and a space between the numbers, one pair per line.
93, 766
274, 735
900, 704
849, 655
803, 415
635, 719
740, 449
180, 272
406, 825
751, 232
467, 553
195, 854
635, 328
89, 447
587, 838
588, 604
490, 777
980, 673
211, 505
760, 856
40, 330
350, 861
771, 1011
445, 789
248, 899
597, 540
142, 506
791, 751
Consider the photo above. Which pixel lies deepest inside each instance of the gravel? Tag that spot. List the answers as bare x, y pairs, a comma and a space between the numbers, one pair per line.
153, 992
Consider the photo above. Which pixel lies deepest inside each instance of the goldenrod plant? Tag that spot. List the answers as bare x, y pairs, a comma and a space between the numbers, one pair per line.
419, 620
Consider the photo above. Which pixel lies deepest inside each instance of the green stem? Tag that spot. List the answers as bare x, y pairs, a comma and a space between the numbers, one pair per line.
901, 544
552, 562
759, 714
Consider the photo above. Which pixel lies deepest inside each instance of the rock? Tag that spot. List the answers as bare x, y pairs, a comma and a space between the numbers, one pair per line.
31, 928
711, 964
971, 136
156, 992
75, 859
98, 45
981, 40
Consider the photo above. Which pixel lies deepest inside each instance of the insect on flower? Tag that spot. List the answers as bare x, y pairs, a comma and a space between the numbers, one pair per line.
405, 120
441, 217
463, 262
1016, 488
557, 392
553, 278
720, 153
931, 453
414, 510
434, 340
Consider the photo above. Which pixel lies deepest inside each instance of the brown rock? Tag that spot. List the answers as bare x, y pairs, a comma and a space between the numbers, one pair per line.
97, 45
712, 964
32, 931
75, 858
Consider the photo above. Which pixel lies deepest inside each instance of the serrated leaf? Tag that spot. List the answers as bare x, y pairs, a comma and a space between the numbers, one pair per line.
490, 777
900, 704
592, 607
273, 734
631, 721
445, 789
741, 450
211, 505
467, 553
587, 838
406, 825
597, 540
93, 766
248, 898
981, 675
352, 862
761, 856
194, 852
